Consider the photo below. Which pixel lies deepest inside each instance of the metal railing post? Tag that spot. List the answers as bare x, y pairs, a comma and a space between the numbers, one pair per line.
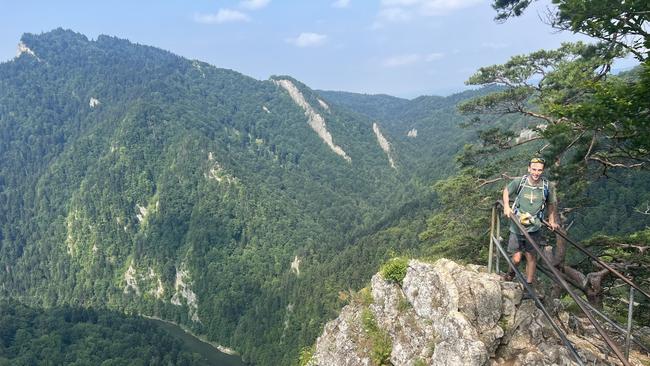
616, 326
491, 249
498, 238
528, 288
557, 277
611, 345
630, 308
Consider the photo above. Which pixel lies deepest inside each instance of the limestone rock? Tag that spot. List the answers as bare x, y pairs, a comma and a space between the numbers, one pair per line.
316, 121
384, 144
340, 343
448, 314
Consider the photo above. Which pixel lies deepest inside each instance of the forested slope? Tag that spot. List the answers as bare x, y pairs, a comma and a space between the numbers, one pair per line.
138, 180
80, 336
427, 131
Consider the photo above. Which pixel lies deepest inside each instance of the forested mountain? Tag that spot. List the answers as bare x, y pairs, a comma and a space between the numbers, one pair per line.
136, 180
144, 182
81, 336
426, 131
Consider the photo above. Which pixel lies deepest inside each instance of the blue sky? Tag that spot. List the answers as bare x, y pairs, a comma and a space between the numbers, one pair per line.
404, 48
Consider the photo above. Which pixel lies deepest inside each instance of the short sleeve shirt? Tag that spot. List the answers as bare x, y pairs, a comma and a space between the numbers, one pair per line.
531, 200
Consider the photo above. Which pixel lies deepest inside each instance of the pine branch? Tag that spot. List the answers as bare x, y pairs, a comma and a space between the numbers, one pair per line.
606, 163
640, 248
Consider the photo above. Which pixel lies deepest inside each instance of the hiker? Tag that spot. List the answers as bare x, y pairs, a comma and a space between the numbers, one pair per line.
533, 195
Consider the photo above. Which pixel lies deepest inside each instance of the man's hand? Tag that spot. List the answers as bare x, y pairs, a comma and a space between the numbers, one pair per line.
553, 225
507, 211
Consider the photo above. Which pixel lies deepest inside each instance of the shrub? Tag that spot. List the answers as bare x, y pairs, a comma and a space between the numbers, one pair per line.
395, 270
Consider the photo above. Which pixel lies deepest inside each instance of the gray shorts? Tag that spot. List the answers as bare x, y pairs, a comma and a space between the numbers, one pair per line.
518, 243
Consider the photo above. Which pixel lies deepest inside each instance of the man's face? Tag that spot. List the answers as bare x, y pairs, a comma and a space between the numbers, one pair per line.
535, 171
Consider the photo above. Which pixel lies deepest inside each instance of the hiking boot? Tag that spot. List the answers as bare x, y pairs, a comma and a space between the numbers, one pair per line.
510, 276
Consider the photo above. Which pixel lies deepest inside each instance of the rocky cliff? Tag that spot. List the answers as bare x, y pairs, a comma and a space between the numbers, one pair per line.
448, 314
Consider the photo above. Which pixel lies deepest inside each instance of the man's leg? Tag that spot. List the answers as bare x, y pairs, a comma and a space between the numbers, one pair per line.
531, 266
516, 258
531, 254
513, 248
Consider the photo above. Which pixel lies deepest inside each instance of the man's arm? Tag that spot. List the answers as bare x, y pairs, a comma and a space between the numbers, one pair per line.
506, 202
552, 216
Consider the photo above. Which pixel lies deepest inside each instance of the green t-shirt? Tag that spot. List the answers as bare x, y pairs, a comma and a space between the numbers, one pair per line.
531, 199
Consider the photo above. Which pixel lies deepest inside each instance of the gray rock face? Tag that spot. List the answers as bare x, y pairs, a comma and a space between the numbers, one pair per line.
341, 341
448, 314
463, 306
412, 337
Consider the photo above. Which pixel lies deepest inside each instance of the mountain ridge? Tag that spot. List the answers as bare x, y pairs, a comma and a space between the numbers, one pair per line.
140, 181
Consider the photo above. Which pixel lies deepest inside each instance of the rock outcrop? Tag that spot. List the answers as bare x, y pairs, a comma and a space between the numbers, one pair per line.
22, 48
384, 144
316, 121
184, 293
448, 314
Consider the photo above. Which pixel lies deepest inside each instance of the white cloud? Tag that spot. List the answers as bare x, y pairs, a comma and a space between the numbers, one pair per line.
222, 16
391, 15
433, 56
254, 4
494, 45
410, 59
341, 3
308, 40
399, 2
402, 60
394, 15
399, 11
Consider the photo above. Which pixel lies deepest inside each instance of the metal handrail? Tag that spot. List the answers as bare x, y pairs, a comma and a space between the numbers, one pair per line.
564, 284
537, 301
598, 260
613, 323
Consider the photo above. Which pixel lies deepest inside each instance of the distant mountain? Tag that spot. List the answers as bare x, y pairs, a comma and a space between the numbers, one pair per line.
426, 131
137, 180
375, 106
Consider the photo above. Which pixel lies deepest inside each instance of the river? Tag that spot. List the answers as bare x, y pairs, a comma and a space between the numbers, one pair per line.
211, 355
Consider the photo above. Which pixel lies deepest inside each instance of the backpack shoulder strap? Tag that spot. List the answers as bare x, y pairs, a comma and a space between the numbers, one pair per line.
521, 184
545, 184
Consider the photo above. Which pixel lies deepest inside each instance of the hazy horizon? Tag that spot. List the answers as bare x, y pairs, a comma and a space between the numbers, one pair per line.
394, 47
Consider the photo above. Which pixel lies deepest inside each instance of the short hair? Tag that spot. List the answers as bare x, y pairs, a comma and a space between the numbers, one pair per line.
537, 160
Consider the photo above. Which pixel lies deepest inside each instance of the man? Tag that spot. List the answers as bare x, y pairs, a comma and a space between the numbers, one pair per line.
533, 195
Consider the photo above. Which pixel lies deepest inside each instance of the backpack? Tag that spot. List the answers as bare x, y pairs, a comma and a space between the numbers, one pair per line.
545, 184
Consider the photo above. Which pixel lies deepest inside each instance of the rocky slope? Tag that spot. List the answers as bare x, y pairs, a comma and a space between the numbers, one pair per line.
448, 314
